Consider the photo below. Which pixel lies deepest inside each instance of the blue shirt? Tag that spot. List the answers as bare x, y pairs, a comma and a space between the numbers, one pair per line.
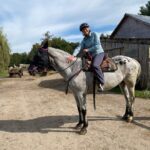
92, 43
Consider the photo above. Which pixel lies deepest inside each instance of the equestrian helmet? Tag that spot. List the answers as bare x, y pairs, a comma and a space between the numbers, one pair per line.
84, 25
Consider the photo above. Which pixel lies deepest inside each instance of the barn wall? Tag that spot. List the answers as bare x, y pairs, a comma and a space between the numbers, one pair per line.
149, 68
132, 28
138, 49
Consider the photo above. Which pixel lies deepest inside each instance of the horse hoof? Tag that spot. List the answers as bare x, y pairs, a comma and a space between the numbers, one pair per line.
78, 126
130, 119
83, 131
124, 118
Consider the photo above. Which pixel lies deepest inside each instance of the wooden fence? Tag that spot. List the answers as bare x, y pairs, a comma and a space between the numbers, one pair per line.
135, 48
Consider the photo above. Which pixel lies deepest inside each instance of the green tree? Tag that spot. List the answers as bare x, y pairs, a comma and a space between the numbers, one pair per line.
55, 42
33, 51
19, 58
145, 10
15, 59
47, 37
4, 51
62, 44
58, 42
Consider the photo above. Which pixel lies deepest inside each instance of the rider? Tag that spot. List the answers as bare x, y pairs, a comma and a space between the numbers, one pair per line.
91, 44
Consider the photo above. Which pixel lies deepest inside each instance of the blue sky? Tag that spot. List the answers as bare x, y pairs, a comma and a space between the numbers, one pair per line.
25, 21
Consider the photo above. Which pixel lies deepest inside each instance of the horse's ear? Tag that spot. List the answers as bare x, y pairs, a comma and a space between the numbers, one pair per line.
44, 44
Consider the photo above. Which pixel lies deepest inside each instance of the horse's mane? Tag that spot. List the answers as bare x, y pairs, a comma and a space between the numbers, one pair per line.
62, 52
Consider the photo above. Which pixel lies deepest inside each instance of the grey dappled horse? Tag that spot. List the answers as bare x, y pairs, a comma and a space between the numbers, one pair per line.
125, 76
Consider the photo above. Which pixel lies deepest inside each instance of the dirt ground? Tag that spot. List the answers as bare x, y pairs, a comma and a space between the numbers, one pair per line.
35, 114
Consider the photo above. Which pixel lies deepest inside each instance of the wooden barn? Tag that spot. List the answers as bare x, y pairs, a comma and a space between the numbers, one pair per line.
132, 38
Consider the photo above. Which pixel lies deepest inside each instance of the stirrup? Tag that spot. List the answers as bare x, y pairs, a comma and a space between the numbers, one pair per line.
100, 88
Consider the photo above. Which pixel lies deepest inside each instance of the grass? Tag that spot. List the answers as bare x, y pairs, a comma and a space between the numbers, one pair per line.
3, 73
141, 94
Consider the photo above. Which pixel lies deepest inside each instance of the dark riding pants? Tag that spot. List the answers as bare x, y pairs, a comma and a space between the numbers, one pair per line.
97, 60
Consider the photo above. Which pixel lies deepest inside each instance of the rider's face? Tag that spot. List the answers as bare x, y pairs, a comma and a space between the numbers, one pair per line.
86, 31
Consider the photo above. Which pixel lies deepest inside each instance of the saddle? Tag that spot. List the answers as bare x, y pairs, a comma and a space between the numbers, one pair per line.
107, 65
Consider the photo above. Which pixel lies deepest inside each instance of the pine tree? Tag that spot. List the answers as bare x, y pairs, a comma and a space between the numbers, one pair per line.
145, 10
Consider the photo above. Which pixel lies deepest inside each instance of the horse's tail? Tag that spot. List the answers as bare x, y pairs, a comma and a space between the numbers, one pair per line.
94, 84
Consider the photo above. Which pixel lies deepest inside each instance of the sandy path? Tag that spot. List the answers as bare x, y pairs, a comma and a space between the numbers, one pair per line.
37, 115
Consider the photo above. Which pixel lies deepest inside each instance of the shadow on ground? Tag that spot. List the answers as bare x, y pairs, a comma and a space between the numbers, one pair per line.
56, 84
55, 123
41, 124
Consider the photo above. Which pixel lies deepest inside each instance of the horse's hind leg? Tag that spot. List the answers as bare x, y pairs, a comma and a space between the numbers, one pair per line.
129, 97
131, 89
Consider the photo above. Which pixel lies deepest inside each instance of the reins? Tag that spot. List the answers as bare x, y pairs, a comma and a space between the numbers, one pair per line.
68, 66
70, 78
77, 73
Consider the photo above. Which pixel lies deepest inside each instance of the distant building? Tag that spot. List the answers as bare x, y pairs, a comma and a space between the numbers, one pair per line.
131, 37
133, 26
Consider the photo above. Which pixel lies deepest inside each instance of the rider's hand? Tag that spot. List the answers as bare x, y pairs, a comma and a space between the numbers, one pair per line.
70, 58
85, 50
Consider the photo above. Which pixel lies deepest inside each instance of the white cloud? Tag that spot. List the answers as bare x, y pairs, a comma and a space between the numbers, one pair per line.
78, 37
25, 22
19, 46
73, 38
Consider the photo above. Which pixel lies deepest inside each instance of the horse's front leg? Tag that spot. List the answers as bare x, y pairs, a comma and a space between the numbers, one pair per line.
84, 114
80, 123
83, 122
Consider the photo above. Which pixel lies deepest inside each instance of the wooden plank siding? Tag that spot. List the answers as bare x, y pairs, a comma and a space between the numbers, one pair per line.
135, 48
149, 67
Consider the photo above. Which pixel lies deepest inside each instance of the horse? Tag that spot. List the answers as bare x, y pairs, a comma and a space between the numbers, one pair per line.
125, 76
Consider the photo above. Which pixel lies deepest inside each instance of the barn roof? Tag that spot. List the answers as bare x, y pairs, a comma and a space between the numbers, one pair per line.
141, 18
